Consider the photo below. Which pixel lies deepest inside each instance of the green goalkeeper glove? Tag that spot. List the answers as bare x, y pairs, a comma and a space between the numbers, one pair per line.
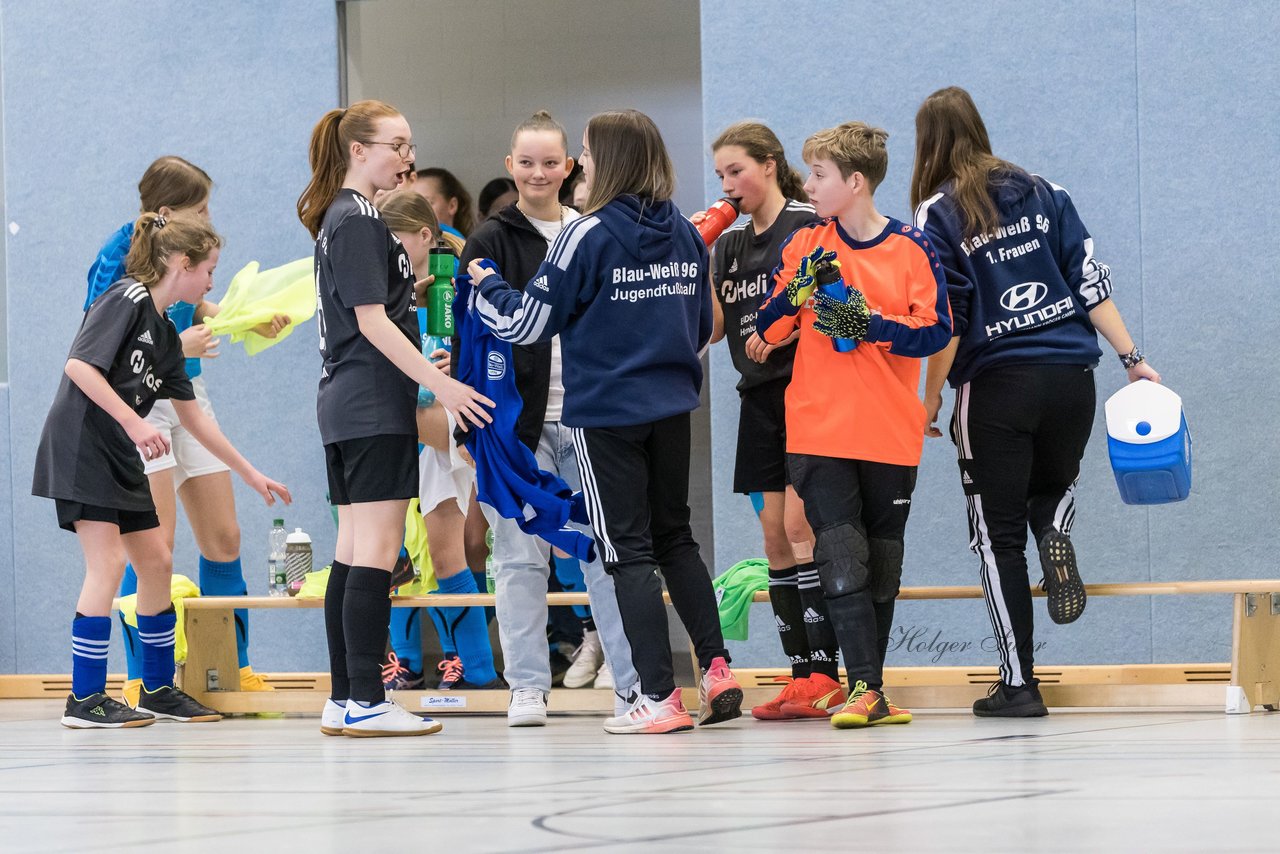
842, 319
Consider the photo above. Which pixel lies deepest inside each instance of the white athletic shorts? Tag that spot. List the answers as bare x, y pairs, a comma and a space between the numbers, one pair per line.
444, 477
186, 455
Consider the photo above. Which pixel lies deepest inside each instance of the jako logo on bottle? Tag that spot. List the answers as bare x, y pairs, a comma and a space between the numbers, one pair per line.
1025, 296
497, 366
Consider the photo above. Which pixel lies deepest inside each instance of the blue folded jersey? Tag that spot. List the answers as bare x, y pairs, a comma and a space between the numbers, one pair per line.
508, 478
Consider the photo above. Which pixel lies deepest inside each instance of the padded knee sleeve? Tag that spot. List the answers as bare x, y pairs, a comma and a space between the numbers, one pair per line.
886, 569
841, 554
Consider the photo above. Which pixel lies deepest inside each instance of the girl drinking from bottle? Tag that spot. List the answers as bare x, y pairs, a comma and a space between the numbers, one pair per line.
126, 356
626, 288
517, 239
445, 486
754, 172
370, 372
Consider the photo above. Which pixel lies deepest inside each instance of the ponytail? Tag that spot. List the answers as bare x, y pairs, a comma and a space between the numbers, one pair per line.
330, 148
762, 145
156, 239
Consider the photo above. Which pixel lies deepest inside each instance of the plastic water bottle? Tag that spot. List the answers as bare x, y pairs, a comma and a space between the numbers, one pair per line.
718, 217
488, 562
277, 583
430, 344
297, 560
831, 284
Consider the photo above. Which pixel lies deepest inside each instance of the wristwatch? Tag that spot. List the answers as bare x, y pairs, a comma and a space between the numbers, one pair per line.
1132, 359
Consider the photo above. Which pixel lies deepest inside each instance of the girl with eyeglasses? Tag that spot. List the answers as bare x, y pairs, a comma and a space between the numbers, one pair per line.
367, 399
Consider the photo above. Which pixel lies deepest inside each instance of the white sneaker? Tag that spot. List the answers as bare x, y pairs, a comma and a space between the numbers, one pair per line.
648, 717
383, 719
331, 717
604, 676
587, 659
528, 707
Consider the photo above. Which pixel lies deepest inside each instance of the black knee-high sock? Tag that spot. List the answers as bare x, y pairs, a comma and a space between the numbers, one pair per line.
366, 613
884, 625
788, 613
334, 595
824, 649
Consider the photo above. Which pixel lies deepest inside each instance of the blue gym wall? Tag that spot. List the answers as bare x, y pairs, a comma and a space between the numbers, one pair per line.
94, 90
1162, 120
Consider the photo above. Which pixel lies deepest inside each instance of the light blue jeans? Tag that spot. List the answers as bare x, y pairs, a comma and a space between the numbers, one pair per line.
520, 570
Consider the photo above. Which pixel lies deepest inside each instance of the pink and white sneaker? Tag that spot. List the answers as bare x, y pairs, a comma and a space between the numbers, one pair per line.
719, 694
649, 717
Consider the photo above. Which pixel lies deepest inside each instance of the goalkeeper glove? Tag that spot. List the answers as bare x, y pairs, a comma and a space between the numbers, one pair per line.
837, 319
800, 288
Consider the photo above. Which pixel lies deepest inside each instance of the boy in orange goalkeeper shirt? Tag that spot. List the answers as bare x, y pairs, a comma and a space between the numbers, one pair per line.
855, 425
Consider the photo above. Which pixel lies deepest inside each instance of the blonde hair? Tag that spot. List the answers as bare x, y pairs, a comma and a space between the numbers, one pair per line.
630, 157
174, 183
540, 120
331, 140
406, 210
762, 145
156, 239
853, 147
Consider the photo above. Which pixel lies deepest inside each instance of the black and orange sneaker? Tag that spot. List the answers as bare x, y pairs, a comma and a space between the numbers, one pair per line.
819, 697
896, 715
1062, 585
863, 709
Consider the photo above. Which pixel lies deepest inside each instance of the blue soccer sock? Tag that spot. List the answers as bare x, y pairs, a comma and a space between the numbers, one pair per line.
569, 574
226, 578
158, 634
406, 637
447, 646
468, 630
90, 640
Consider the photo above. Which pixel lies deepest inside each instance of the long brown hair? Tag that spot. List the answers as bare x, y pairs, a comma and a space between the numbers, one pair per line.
173, 183
952, 145
630, 157
157, 238
465, 219
330, 150
761, 145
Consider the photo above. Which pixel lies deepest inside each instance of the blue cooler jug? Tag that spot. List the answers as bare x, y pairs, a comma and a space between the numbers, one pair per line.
1149, 444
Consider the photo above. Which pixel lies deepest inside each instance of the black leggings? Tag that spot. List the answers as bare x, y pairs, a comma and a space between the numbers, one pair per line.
858, 511
1020, 432
636, 483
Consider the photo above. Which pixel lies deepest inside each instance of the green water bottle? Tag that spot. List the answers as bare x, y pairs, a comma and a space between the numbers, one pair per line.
442, 264
488, 561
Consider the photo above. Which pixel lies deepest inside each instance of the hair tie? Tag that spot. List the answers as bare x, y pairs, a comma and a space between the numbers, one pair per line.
159, 222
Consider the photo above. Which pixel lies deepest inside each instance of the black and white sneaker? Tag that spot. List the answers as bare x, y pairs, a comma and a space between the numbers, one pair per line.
1062, 584
170, 704
98, 711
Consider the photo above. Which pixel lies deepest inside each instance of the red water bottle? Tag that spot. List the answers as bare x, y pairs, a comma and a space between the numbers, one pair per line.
718, 217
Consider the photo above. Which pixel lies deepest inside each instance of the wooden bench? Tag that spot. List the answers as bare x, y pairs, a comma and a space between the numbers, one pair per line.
1251, 679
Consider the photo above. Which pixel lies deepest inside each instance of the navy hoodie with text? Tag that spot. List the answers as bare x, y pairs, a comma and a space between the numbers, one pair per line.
626, 289
1020, 294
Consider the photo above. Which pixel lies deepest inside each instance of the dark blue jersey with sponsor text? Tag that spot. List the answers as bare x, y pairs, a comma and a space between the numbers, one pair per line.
1022, 292
626, 288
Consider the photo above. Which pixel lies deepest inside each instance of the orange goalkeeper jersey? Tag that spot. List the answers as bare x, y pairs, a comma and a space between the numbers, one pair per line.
864, 404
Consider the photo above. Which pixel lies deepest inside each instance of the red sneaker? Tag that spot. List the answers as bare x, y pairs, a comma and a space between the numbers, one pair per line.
821, 697
792, 690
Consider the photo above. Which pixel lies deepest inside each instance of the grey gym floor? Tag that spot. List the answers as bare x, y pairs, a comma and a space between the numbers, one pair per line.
1076, 781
